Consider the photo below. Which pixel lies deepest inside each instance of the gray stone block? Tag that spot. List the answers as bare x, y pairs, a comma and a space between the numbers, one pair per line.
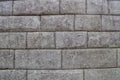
119, 57
55, 75
57, 23
40, 40
88, 22
90, 58
71, 39
38, 59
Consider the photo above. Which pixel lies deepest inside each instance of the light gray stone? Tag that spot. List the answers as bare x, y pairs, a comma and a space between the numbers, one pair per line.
114, 7
55, 75
90, 58
103, 39
102, 74
38, 59
110, 22
36, 7
17, 40
72, 6
12, 75
119, 57
40, 40
6, 8
71, 39
88, 22
57, 23
6, 58
97, 6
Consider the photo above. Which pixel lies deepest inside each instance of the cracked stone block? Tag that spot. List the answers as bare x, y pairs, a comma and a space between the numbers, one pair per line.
57, 23
88, 22
103, 39
40, 40
97, 7
36, 7
6, 58
6, 8
17, 40
102, 74
90, 58
55, 74
110, 22
73, 6
38, 59
114, 7
12, 75
71, 39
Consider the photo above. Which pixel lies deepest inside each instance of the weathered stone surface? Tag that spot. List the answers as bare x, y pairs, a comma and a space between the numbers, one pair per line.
103, 39
6, 58
38, 59
114, 7
71, 39
72, 6
19, 23
17, 40
90, 58
118, 57
55, 75
57, 23
12, 75
6, 8
40, 40
97, 7
110, 22
102, 74
88, 22
36, 7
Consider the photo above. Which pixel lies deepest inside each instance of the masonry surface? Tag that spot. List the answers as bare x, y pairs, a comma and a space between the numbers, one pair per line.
60, 40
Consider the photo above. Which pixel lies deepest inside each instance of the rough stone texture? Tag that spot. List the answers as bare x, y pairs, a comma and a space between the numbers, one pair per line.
102, 74
110, 22
6, 58
118, 57
6, 8
57, 23
88, 22
90, 58
36, 7
55, 75
71, 39
103, 39
38, 59
12, 75
97, 7
19, 23
40, 40
114, 7
73, 6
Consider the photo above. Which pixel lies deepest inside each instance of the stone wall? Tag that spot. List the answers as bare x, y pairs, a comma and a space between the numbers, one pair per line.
60, 40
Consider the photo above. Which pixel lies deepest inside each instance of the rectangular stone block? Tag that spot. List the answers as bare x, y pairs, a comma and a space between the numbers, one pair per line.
71, 39
102, 74
6, 58
55, 75
97, 7
40, 40
88, 22
118, 57
12, 75
36, 7
5, 7
19, 23
110, 22
72, 6
103, 39
114, 7
57, 23
89, 58
38, 59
